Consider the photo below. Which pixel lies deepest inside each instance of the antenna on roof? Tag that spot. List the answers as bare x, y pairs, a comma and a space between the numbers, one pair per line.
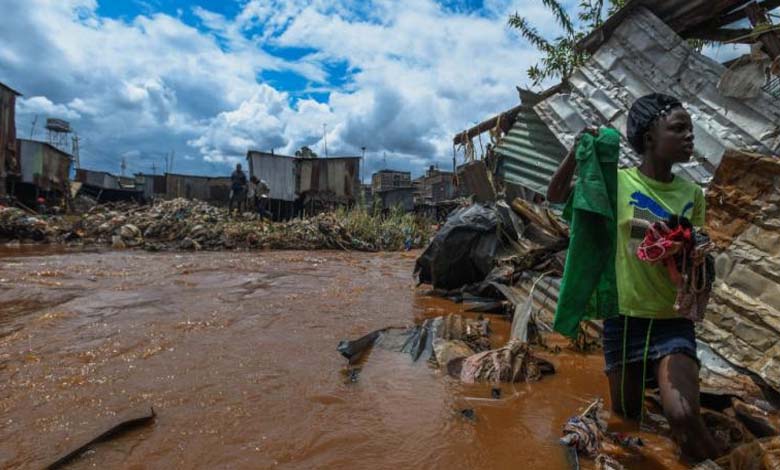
32, 129
123, 165
325, 138
75, 150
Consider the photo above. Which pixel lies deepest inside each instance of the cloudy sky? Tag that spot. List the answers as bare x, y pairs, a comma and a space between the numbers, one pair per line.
210, 79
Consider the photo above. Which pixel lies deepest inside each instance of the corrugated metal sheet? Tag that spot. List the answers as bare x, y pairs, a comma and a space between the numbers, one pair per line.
680, 15
399, 197
98, 179
215, 190
276, 170
644, 55
475, 180
9, 159
529, 152
43, 165
331, 179
152, 185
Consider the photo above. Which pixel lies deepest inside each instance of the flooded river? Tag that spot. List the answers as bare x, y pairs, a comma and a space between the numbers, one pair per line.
236, 352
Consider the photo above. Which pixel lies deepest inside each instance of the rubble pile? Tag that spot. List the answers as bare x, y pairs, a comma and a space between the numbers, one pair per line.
194, 225
15, 224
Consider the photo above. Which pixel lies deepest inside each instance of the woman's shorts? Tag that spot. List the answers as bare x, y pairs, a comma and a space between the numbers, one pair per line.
672, 336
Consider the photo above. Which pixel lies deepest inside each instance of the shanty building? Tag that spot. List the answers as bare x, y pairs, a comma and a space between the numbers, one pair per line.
105, 187
153, 186
279, 173
397, 198
44, 171
9, 158
324, 183
434, 187
383, 180
214, 190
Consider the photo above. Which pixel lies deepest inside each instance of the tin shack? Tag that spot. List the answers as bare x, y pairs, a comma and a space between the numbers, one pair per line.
279, 173
324, 183
9, 157
43, 171
105, 187
211, 189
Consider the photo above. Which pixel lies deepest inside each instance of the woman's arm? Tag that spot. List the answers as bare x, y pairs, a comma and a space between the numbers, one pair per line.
560, 185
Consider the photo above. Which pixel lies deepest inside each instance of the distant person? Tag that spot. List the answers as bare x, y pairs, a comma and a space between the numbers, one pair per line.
263, 196
41, 203
251, 193
238, 183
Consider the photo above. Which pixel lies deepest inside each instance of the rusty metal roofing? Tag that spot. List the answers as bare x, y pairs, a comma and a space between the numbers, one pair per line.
645, 55
529, 152
43, 165
680, 15
6, 87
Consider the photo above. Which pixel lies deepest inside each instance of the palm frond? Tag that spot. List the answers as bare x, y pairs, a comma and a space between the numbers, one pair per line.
560, 15
529, 32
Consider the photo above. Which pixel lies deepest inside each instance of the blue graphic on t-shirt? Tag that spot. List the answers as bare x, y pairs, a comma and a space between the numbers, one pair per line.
643, 201
687, 207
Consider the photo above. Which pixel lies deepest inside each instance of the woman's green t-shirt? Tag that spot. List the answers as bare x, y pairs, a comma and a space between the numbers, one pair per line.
645, 290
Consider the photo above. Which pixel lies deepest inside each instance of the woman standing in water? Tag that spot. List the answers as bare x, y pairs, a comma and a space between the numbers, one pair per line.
649, 334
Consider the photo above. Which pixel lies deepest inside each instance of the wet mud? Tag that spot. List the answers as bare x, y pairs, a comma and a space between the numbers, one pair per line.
237, 354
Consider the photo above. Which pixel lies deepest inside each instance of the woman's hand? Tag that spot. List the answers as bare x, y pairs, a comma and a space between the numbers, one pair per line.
560, 185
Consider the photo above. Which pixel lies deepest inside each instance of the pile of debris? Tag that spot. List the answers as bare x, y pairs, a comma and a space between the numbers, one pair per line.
457, 345
15, 224
182, 224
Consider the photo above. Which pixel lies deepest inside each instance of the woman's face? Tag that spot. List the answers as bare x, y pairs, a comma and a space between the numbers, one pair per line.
671, 138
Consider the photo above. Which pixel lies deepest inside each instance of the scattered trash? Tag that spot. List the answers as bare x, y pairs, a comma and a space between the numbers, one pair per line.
132, 421
585, 432
511, 363
353, 351
469, 414
761, 454
605, 462
15, 224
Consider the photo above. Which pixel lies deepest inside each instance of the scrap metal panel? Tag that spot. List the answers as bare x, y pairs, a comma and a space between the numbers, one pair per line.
9, 158
98, 179
681, 15
43, 165
330, 178
402, 198
529, 153
278, 171
643, 56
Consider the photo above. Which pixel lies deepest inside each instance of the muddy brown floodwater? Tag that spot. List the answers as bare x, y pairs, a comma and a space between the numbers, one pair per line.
236, 352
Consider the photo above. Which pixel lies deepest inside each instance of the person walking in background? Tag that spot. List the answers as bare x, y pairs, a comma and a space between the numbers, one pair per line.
263, 196
237, 189
251, 194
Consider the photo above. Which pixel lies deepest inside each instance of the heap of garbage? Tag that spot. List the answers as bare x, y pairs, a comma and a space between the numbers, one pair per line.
16, 224
182, 224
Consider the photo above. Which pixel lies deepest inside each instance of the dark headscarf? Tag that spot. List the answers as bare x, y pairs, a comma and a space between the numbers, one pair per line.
644, 112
